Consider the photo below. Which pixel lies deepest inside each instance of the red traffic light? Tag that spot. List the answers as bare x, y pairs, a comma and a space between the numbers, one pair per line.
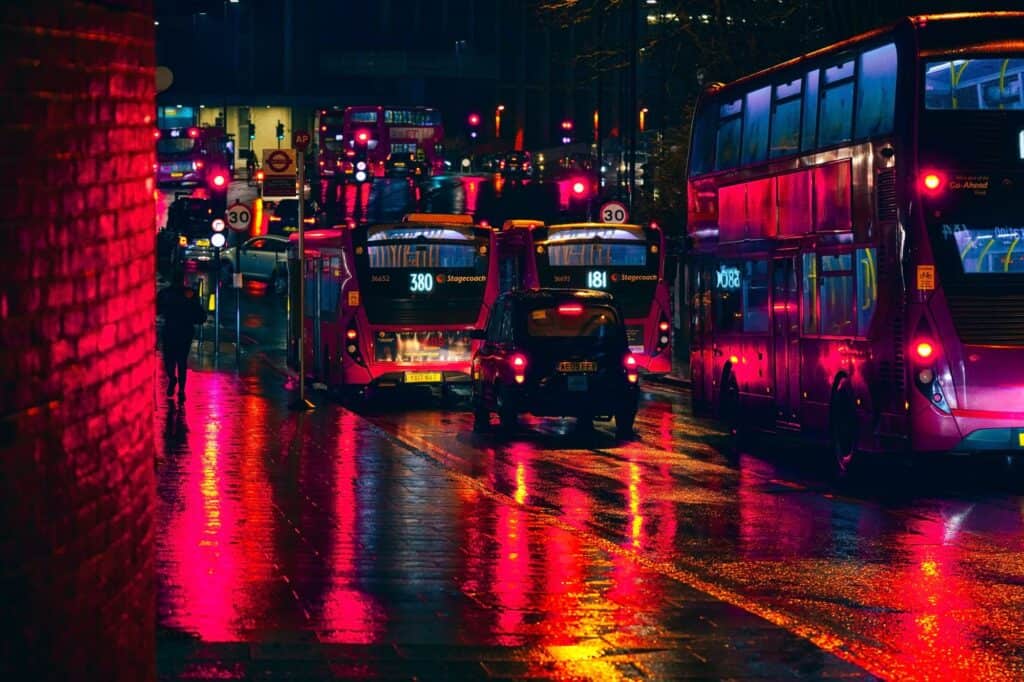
474, 119
219, 180
193, 132
579, 187
259, 176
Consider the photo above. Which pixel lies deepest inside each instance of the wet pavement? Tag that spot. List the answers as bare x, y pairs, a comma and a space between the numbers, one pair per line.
394, 543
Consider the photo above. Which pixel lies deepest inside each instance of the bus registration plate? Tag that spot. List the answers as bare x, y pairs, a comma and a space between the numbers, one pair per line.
422, 377
582, 366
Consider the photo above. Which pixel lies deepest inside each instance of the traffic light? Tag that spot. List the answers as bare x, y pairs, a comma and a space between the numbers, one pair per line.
567, 127
217, 181
280, 130
252, 130
474, 125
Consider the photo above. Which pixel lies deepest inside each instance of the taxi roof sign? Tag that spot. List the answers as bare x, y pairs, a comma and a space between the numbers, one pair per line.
459, 218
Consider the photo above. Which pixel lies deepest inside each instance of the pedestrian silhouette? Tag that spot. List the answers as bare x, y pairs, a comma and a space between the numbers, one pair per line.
182, 311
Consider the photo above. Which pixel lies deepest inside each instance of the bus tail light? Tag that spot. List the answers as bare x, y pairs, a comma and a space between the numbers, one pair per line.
632, 369
197, 164
932, 182
352, 346
924, 350
518, 362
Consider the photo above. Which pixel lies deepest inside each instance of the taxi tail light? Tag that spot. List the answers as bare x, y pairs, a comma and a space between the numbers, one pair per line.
570, 309
632, 368
518, 362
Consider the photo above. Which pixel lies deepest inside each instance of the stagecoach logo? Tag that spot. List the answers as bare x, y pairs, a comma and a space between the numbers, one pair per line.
632, 277
728, 278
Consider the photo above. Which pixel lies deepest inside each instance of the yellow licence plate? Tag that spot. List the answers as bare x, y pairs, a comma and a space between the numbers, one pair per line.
585, 366
1020, 439
177, 175
422, 377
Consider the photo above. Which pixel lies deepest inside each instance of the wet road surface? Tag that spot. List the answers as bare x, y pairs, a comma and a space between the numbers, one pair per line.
395, 543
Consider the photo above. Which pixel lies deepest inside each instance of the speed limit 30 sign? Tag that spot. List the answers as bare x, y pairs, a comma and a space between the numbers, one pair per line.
239, 217
614, 212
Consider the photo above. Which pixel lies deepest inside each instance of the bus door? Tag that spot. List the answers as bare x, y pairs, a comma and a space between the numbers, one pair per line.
786, 340
698, 285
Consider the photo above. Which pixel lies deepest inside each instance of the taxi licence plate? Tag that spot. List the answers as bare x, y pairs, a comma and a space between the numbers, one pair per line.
583, 366
422, 377
177, 174
577, 382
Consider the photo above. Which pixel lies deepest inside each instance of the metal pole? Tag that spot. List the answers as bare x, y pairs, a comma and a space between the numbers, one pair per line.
300, 162
236, 282
632, 99
216, 303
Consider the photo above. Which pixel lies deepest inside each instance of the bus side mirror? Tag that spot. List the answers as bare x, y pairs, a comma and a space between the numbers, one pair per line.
478, 334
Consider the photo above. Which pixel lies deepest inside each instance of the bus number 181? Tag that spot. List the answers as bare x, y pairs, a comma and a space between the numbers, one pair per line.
597, 279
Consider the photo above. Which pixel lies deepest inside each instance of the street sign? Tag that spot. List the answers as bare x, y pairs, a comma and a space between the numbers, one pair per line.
614, 212
239, 217
300, 140
217, 225
279, 162
277, 186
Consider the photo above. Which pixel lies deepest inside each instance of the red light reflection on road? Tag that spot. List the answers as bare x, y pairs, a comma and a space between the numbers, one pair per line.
350, 615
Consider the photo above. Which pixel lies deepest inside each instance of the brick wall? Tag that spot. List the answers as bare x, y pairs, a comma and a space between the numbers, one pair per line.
76, 339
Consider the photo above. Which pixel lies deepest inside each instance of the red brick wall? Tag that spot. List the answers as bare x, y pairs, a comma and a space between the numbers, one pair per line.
77, 485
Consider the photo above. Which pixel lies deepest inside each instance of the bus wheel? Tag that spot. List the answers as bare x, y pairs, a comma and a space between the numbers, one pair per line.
842, 427
507, 410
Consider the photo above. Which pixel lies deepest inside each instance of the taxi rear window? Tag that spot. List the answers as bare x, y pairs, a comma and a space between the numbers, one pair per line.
573, 320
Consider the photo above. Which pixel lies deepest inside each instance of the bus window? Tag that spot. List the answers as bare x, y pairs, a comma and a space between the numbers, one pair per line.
837, 296
810, 111
755, 296
330, 286
702, 159
876, 91
755, 125
727, 153
727, 298
837, 105
974, 84
786, 120
867, 288
810, 294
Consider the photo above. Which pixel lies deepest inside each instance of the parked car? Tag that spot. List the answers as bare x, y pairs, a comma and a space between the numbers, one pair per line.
555, 352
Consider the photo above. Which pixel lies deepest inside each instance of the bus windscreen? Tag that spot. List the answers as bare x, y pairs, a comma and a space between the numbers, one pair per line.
175, 145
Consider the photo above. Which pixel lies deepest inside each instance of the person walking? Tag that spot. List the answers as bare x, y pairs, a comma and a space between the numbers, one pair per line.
181, 311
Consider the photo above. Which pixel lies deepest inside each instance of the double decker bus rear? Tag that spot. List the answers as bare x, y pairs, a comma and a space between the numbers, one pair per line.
330, 140
627, 261
397, 302
190, 155
372, 133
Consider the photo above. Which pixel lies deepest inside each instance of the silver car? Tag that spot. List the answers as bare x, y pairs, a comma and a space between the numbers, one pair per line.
262, 258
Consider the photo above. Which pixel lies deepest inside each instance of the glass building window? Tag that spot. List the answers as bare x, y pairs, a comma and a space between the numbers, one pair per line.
755, 125
876, 91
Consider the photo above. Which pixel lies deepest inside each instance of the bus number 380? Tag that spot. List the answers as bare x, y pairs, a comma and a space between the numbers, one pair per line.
420, 282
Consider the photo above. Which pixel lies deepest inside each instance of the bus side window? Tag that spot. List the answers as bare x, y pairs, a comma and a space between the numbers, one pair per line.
809, 294
837, 295
867, 288
755, 297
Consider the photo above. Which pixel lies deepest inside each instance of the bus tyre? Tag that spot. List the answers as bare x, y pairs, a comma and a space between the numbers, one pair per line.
624, 420
507, 410
842, 427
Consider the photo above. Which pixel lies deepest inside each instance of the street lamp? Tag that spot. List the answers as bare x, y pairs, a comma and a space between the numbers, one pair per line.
643, 119
497, 120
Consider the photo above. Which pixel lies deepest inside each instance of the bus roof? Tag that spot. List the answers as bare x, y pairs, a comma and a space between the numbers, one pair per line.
918, 22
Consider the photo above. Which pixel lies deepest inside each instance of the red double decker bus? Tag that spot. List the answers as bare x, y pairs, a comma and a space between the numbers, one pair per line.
627, 261
372, 133
330, 140
190, 155
392, 305
856, 222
